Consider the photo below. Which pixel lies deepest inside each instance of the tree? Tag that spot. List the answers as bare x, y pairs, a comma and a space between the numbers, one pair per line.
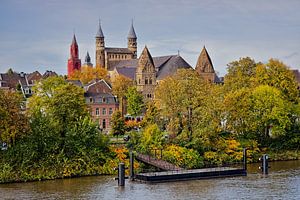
240, 74
151, 115
86, 74
117, 123
178, 96
270, 111
120, 86
13, 121
63, 103
135, 102
278, 75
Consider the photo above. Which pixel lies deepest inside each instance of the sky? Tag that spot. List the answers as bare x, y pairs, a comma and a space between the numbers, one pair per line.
36, 34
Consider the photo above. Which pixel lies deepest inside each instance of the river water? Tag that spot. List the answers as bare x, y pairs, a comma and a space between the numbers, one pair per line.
282, 182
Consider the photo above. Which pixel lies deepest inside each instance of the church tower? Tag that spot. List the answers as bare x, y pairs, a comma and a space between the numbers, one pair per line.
87, 60
74, 63
146, 75
204, 66
100, 48
132, 41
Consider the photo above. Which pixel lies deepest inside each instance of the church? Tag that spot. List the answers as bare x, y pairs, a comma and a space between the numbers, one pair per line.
145, 70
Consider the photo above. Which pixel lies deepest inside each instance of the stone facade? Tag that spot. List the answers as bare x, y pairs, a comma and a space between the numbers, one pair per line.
145, 75
106, 55
204, 67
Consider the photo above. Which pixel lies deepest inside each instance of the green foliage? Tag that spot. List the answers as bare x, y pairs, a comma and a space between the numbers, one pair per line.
183, 157
117, 123
134, 102
152, 138
13, 122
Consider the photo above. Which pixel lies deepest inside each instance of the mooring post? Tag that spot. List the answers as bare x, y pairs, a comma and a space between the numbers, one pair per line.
121, 174
131, 165
245, 159
264, 164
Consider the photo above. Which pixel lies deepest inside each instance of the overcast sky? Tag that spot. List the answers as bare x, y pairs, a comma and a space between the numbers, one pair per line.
36, 34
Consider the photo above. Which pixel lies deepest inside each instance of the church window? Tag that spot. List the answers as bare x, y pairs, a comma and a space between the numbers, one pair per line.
97, 112
146, 81
150, 81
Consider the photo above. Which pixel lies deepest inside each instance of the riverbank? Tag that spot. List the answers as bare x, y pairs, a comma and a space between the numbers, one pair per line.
8, 174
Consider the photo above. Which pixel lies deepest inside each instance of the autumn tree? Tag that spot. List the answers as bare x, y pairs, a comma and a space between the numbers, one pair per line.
278, 75
86, 74
13, 121
120, 86
178, 97
117, 123
135, 102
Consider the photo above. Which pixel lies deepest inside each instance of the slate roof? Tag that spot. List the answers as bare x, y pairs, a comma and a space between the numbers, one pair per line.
165, 66
117, 50
131, 34
12, 80
99, 32
49, 73
171, 66
127, 71
75, 82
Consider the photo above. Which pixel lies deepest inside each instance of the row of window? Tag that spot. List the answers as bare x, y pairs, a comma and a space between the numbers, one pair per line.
110, 111
119, 56
147, 81
100, 100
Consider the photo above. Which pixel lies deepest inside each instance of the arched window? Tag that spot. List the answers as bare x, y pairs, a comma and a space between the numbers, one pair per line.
139, 81
146, 81
150, 81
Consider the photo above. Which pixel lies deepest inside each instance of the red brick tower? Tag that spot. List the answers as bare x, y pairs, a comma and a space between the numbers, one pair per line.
74, 63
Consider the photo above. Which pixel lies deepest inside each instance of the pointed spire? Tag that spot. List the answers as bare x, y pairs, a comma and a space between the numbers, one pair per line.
204, 63
74, 40
131, 34
99, 33
87, 58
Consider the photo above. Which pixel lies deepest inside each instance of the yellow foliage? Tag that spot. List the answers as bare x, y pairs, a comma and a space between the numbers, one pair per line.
86, 74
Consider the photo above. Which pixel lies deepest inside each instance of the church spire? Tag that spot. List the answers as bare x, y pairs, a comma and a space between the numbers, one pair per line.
131, 34
204, 64
87, 58
99, 32
74, 40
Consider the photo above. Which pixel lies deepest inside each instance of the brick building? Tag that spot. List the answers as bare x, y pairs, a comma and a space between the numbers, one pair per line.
102, 103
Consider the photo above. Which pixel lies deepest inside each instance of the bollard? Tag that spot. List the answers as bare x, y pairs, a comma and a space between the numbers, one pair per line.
131, 167
245, 159
264, 164
121, 174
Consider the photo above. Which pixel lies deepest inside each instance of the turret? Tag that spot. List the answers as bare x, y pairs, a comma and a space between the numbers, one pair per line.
100, 47
132, 41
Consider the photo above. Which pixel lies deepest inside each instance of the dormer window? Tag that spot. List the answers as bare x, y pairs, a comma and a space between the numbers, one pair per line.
91, 100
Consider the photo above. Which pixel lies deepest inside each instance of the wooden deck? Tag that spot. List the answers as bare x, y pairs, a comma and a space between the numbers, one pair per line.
179, 175
161, 164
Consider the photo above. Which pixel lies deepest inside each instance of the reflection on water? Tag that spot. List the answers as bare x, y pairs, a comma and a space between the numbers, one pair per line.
282, 182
